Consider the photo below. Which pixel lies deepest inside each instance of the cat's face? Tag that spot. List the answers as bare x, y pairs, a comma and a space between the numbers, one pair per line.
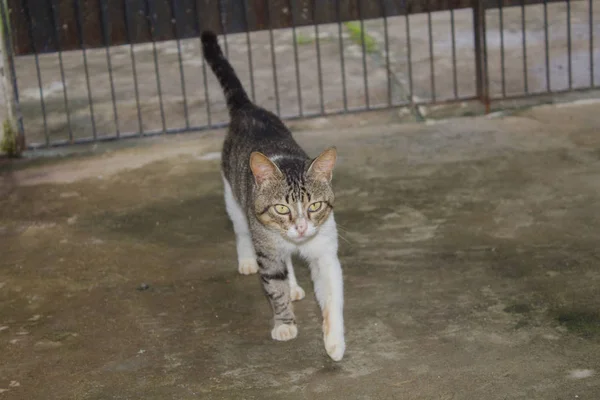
297, 200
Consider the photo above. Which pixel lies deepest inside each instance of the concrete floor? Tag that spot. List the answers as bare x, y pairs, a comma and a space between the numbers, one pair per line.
470, 255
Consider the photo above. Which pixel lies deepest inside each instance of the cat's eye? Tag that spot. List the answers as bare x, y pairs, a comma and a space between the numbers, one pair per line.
315, 206
281, 209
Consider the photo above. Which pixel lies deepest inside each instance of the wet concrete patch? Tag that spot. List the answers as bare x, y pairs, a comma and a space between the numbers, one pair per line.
585, 323
173, 222
518, 308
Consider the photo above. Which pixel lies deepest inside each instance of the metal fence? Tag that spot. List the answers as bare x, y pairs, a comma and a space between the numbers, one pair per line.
91, 70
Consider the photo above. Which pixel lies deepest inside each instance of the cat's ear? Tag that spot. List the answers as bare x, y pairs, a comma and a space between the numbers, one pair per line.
322, 167
262, 168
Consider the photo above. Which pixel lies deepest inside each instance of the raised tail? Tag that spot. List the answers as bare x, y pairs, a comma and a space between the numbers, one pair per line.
232, 87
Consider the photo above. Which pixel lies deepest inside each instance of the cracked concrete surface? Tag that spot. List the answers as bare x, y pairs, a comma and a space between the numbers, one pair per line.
470, 254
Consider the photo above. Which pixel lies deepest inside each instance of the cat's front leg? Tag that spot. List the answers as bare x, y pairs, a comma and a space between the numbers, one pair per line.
275, 280
296, 292
326, 273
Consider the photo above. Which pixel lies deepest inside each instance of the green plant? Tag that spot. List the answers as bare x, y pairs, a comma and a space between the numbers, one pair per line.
358, 34
303, 39
9, 144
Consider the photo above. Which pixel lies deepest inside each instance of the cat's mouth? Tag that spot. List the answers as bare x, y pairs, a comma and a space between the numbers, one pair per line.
300, 237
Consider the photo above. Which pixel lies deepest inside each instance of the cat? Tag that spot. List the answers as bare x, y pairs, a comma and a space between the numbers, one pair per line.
280, 202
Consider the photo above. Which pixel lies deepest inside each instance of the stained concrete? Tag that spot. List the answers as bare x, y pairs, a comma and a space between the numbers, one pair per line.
469, 246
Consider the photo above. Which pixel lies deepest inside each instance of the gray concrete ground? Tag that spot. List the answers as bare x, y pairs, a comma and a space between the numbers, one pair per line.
332, 77
470, 254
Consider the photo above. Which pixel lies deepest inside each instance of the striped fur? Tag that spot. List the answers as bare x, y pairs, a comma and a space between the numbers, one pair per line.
280, 202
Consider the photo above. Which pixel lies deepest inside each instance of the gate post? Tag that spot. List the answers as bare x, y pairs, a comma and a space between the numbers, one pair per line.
481, 67
12, 135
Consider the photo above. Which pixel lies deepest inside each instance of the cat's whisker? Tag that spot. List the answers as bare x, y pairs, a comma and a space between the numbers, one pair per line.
340, 226
344, 239
343, 229
346, 231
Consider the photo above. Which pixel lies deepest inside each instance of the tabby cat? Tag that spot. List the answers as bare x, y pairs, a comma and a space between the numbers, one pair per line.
280, 202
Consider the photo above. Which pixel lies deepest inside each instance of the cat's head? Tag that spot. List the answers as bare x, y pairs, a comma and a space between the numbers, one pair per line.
296, 197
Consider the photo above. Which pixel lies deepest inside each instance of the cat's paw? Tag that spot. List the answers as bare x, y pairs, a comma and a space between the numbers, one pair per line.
333, 333
247, 266
335, 346
296, 293
284, 332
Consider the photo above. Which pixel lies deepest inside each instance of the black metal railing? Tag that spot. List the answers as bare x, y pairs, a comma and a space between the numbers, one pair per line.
92, 70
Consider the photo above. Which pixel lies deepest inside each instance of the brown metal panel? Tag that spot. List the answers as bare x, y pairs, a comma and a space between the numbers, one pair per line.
303, 12
233, 16
18, 27
280, 15
258, 14
370, 9
115, 20
91, 23
67, 24
208, 15
326, 12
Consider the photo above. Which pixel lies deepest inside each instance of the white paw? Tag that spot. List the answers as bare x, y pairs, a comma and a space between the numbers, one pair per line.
335, 346
297, 293
248, 266
284, 332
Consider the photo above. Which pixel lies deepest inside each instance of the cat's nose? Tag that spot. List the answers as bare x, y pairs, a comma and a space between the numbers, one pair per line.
301, 226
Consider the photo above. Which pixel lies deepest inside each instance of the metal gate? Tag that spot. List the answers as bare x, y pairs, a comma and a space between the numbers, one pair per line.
92, 70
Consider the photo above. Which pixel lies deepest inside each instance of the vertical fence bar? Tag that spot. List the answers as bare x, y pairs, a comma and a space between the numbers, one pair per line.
318, 50
105, 23
569, 44
387, 52
454, 72
223, 24
502, 55
204, 77
150, 17
408, 53
55, 24
37, 69
127, 13
79, 24
180, 60
273, 59
249, 45
524, 37
296, 61
481, 68
364, 52
342, 61
11, 88
431, 60
591, 9
547, 47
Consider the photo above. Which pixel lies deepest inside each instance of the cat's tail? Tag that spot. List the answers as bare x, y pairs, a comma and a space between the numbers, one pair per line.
232, 87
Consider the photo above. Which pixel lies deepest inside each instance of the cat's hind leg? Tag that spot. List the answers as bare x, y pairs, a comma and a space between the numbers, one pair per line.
296, 292
245, 249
